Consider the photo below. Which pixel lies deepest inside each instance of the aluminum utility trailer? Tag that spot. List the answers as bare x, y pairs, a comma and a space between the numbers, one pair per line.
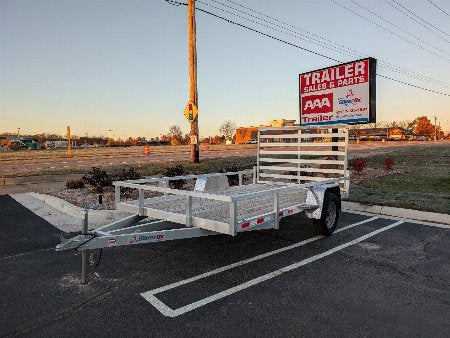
298, 170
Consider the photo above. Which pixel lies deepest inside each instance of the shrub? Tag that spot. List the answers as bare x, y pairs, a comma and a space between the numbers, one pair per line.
75, 183
388, 164
176, 170
358, 165
127, 174
98, 178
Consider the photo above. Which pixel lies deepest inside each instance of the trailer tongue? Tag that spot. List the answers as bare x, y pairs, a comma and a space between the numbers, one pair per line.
298, 170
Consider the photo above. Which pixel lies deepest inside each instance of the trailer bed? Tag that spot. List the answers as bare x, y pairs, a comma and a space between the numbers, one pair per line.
217, 210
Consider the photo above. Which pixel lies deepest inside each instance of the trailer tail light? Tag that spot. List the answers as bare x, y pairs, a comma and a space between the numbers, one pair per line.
245, 225
260, 220
280, 214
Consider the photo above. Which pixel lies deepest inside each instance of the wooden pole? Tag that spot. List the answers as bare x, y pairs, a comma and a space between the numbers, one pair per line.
193, 95
69, 150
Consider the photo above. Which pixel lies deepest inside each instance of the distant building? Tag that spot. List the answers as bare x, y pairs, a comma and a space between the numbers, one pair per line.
281, 123
5, 140
246, 135
55, 144
21, 141
375, 134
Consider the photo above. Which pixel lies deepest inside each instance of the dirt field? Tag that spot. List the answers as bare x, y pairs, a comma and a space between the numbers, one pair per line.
40, 162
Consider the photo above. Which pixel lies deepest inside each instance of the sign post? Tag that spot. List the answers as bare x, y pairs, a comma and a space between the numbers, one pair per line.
69, 150
342, 94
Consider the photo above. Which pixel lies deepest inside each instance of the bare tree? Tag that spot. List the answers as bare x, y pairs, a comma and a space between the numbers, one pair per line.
228, 128
175, 132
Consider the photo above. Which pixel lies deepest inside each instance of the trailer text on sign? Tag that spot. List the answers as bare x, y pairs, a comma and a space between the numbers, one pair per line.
340, 94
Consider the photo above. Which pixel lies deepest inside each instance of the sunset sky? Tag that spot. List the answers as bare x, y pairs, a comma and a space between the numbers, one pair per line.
122, 65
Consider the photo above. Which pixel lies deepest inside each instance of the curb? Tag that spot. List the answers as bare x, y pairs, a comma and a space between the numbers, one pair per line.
95, 216
21, 180
398, 212
7, 181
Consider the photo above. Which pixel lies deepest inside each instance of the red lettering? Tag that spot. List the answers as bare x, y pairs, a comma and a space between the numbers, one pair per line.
317, 104
334, 77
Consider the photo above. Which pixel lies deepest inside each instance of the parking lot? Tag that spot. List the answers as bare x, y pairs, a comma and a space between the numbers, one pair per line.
374, 276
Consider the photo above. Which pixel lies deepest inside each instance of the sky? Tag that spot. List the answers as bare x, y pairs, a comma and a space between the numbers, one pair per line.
122, 65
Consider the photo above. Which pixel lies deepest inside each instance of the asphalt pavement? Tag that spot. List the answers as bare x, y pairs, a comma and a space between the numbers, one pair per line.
373, 277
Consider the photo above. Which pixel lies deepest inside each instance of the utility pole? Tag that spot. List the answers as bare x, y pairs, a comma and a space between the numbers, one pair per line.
193, 95
435, 130
18, 132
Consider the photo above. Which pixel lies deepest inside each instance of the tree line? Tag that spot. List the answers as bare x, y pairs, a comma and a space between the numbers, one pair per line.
419, 126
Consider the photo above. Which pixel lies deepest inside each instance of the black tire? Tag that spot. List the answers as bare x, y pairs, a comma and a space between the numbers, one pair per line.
330, 215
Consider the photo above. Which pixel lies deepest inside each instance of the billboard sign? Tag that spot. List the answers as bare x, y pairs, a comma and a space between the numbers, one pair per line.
340, 94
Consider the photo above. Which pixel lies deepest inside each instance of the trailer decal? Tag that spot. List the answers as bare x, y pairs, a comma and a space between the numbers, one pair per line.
146, 238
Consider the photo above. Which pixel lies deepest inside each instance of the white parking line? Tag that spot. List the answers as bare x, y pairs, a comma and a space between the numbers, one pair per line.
167, 311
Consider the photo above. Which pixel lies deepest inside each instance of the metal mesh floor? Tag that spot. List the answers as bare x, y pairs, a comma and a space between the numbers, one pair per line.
219, 211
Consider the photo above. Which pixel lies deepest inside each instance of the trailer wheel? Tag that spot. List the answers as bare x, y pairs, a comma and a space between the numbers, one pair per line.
330, 215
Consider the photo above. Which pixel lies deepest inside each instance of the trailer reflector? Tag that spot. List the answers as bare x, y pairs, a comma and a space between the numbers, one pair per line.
260, 220
245, 225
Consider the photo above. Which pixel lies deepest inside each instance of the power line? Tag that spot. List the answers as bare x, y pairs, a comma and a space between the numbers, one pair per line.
306, 33
431, 2
383, 64
394, 25
387, 29
305, 49
318, 36
414, 19
267, 35
411, 85
420, 18
297, 46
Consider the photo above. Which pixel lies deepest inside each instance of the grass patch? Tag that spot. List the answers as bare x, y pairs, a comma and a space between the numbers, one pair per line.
424, 185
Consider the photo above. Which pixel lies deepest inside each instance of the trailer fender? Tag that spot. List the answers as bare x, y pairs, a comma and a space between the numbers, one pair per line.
316, 196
